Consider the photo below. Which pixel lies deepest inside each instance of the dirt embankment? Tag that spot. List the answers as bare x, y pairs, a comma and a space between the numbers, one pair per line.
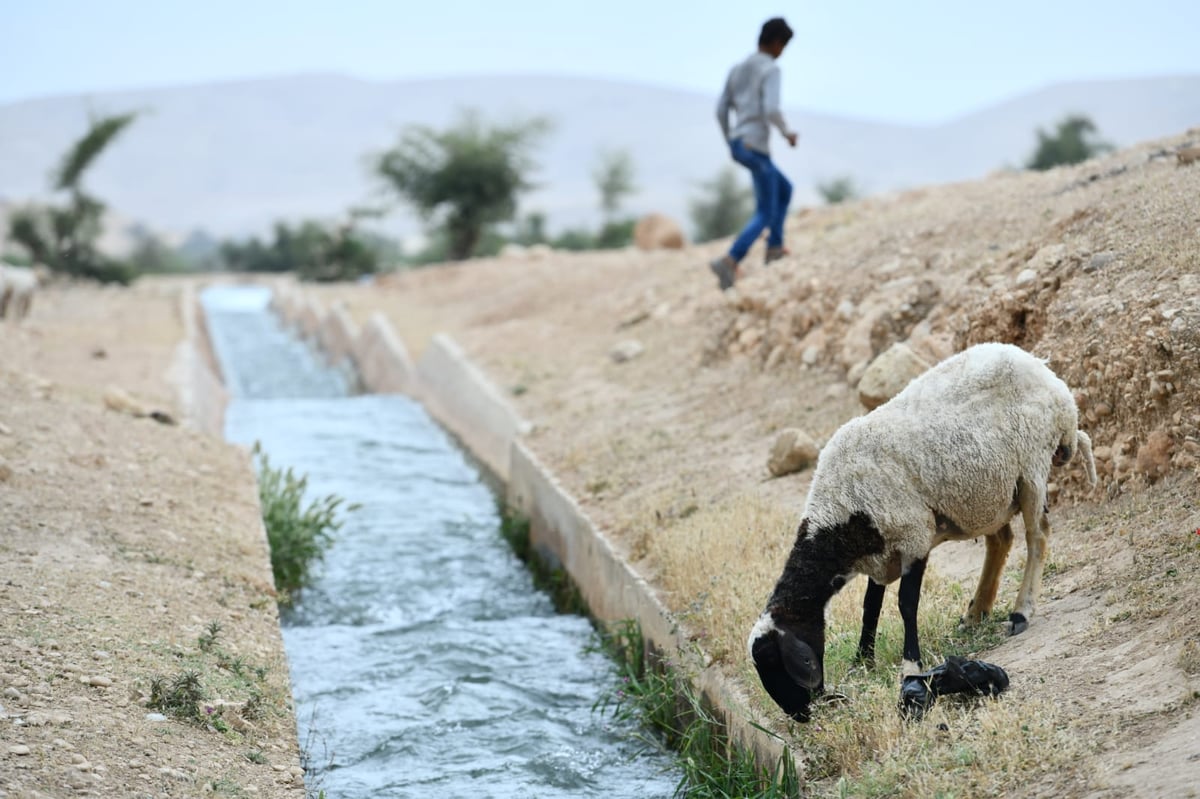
1093, 267
122, 542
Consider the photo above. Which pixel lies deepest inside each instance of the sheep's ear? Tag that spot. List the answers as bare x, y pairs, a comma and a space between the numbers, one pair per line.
799, 661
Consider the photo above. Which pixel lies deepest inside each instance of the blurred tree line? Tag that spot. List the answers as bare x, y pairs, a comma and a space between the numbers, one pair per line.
465, 182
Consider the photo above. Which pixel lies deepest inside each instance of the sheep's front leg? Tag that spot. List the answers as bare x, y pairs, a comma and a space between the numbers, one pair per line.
872, 605
998, 546
1037, 543
910, 597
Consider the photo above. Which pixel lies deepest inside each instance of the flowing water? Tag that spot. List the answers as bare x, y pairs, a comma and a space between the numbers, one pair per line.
423, 661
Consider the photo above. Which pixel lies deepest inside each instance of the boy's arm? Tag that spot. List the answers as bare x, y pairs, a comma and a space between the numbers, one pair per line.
723, 106
771, 108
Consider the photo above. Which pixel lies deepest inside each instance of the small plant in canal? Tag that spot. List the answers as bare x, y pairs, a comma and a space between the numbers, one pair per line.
298, 535
653, 693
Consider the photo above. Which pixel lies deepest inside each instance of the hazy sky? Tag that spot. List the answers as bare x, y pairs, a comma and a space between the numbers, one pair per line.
918, 61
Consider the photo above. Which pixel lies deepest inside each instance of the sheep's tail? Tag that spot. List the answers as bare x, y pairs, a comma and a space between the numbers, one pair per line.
1085, 449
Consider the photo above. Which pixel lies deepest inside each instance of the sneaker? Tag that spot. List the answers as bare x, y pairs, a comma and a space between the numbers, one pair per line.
775, 253
725, 269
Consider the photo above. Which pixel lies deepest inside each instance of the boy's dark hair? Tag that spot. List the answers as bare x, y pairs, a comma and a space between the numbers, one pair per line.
775, 30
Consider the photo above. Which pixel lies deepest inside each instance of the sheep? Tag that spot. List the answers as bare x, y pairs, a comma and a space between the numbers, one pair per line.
17, 286
954, 456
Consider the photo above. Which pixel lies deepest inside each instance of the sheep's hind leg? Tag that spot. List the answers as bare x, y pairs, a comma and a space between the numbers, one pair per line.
998, 546
1037, 543
872, 605
910, 598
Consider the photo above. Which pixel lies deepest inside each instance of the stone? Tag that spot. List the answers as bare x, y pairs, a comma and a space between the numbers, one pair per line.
626, 350
98, 681
18, 749
1154, 456
1026, 276
793, 450
1099, 261
888, 374
658, 232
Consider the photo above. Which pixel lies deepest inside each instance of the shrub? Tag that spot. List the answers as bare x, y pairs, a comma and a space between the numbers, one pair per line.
298, 535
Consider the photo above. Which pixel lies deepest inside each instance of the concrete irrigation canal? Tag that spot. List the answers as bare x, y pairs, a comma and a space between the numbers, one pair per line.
424, 662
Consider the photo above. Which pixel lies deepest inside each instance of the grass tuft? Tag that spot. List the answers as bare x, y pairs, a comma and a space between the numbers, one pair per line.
298, 535
653, 693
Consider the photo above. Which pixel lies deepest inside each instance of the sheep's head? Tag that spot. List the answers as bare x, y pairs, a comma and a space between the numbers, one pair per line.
789, 666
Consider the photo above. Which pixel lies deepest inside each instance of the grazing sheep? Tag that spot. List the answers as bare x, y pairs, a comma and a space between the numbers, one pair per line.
17, 286
954, 456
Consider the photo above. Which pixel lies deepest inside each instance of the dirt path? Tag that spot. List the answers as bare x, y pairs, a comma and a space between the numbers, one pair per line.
122, 541
1093, 267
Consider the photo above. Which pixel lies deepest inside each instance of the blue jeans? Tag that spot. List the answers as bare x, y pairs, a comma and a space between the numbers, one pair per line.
772, 193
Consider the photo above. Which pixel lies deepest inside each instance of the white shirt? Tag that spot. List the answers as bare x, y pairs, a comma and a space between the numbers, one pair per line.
752, 91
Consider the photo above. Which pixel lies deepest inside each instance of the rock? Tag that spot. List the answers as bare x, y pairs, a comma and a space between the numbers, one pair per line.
1026, 276
626, 351
1046, 257
6, 473
856, 372
658, 232
98, 681
18, 749
1154, 457
5, 430
889, 374
116, 399
155, 717
810, 355
793, 450
1188, 155
1099, 261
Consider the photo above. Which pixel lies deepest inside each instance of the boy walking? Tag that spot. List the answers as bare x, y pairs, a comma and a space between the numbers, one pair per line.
752, 90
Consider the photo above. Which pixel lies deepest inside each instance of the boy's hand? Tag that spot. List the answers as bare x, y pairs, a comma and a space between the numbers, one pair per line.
791, 138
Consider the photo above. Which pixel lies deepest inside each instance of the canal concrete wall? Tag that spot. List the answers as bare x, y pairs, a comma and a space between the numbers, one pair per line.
460, 396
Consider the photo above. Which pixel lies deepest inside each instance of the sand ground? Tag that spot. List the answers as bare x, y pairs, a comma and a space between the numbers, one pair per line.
121, 541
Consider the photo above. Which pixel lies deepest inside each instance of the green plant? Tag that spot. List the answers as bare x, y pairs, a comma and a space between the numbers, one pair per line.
613, 175
837, 190
208, 638
654, 693
548, 576
298, 535
64, 237
465, 178
724, 205
179, 697
1072, 142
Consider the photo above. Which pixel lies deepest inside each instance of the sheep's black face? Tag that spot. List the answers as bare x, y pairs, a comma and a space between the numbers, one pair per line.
789, 669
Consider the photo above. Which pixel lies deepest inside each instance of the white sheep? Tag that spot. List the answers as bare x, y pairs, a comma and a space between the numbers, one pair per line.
954, 456
17, 287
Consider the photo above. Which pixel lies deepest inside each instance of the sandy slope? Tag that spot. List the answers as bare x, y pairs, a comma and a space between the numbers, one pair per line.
121, 540
1095, 267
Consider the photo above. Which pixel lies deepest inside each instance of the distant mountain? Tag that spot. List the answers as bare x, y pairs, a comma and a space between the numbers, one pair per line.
232, 157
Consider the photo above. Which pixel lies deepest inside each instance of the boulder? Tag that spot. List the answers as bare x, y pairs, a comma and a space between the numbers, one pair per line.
888, 374
793, 450
658, 232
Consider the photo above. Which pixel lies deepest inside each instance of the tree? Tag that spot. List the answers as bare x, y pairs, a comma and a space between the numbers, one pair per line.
723, 206
64, 237
838, 190
1072, 143
310, 249
468, 176
614, 180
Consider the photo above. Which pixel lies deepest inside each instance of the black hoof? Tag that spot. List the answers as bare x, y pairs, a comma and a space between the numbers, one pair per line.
1019, 623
